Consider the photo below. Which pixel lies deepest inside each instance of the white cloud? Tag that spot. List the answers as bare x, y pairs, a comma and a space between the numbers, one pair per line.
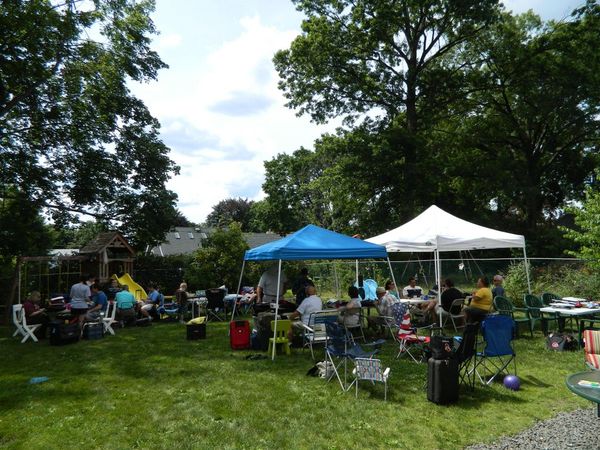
223, 115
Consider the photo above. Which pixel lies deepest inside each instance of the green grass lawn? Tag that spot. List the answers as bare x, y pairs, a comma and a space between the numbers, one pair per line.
151, 388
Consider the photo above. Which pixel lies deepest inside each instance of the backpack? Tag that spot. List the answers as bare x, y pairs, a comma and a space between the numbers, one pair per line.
559, 342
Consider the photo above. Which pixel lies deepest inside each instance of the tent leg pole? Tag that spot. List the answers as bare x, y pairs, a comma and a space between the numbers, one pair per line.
438, 276
357, 272
393, 278
526, 269
238, 289
276, 312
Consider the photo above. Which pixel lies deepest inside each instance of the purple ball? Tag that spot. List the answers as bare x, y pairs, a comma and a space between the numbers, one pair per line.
512, 382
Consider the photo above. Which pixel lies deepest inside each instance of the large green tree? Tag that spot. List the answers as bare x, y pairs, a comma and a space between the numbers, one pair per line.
231, 210
73, 138
530, 130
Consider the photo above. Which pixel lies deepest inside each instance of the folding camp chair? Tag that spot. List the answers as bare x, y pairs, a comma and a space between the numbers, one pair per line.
455, 314
370, 369
356, 331
498, 353
340, 348
314, 333
215, 305
20, 321
465, 354
169, 309
591, 340
407, 337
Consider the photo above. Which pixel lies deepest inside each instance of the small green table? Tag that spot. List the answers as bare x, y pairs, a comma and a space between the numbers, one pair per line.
590, 393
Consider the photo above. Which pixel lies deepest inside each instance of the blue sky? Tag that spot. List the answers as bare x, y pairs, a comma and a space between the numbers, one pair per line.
221, 112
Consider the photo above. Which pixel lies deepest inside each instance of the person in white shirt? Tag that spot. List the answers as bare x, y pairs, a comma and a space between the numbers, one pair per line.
412, 289
350, 313
311, 304
267, 286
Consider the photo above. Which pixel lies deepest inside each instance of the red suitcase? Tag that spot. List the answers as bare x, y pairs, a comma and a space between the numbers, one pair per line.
239, 334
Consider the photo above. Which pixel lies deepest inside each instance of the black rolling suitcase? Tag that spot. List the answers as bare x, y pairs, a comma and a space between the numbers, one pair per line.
442, 381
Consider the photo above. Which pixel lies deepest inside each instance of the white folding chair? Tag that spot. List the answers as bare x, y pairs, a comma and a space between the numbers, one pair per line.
370, 369
20, 321
110, 317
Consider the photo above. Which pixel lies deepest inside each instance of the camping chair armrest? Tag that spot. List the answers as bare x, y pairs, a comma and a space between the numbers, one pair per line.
520, 309
307, 328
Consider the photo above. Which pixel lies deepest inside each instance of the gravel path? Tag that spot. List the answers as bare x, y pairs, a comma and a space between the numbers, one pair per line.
579, 429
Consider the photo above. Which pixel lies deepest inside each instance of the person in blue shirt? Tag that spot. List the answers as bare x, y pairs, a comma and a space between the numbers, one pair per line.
152, 302
126, 304
99, 303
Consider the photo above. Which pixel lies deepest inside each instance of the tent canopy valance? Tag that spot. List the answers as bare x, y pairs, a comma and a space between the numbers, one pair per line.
313, 242
437, 230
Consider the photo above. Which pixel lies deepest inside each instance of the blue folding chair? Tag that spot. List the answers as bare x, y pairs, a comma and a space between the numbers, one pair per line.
498, 332
340, 348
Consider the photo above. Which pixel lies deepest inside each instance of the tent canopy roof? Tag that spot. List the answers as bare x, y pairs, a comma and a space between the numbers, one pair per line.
312, 242
435, 229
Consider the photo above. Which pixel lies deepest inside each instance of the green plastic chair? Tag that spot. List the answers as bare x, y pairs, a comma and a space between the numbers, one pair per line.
548, 298
505, 307
534, 305
283, 327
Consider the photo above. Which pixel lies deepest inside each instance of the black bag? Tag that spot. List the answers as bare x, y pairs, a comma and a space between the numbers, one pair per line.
559, 342
93, 331
196, 331
441, 347
442, 381
64, 333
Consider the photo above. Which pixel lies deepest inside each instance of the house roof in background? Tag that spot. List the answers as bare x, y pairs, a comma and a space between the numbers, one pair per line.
186, 240
105, 240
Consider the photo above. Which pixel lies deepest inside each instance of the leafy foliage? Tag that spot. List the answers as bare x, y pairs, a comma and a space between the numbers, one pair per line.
219, 260
73, 137
231, 210
587, 234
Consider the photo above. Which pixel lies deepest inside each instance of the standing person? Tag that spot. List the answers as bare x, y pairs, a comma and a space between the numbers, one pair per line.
99, 303
300, 285
481, 302
181, 297
80, 297
34, 314
412, 290
267, 286
498, 289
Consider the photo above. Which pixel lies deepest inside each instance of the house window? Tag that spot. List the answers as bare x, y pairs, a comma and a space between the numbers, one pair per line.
191, 235
177, 236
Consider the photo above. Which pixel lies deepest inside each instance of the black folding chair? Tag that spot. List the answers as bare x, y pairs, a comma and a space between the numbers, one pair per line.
465, 354
216, 305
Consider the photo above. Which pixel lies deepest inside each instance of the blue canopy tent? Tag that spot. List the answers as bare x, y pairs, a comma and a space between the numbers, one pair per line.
312, 242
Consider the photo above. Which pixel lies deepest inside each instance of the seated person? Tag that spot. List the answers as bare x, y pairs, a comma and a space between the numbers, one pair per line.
481, 302
390, 289
34, 314
125, 305
151, 303
384, 305
113, 289
311, 304
498, 289
99, 303
350, 312
412, 290
449, 294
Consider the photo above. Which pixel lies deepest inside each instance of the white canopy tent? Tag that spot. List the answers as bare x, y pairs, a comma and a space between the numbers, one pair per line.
437, 231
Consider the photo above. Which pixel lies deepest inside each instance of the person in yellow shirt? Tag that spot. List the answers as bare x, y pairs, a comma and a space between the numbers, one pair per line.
481, 303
